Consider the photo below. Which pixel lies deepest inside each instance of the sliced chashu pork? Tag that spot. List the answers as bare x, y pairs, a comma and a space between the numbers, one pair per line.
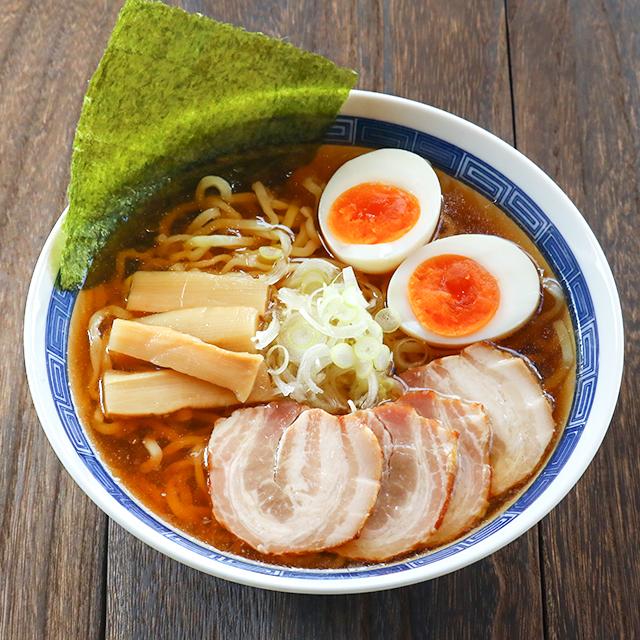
416, 484
286, 479
519, 411
470, 496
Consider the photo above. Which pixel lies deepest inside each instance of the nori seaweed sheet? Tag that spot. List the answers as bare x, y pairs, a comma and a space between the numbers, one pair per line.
173, 92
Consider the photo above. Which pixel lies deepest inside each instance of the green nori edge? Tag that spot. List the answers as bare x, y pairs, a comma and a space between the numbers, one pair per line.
173, 92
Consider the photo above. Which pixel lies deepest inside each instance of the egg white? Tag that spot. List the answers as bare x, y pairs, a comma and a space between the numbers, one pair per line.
517, 276
398, 168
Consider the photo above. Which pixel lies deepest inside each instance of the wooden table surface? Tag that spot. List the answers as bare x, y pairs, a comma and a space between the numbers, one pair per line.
559, 80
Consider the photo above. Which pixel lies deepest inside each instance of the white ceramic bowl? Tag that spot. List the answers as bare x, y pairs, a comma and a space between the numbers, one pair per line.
527, 195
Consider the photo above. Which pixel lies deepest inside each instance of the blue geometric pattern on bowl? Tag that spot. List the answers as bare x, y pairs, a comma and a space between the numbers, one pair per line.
495, 186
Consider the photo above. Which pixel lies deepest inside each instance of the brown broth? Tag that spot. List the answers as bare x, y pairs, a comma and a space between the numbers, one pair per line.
177, 491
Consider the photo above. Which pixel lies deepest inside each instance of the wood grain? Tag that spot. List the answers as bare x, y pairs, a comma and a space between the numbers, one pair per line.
576, 89
152, 597
52, 539
575, 68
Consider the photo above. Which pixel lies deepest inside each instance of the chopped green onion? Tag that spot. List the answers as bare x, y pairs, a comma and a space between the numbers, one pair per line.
264, 338
312, 274
366, 348
335, 354
363, 368
342, 355
271, 254
383, 359
388, 320
272, 357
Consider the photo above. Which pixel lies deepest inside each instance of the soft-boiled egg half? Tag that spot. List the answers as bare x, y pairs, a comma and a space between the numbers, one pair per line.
464, 288
378, 208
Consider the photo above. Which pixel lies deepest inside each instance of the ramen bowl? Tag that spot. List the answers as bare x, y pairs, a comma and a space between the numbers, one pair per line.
530, 198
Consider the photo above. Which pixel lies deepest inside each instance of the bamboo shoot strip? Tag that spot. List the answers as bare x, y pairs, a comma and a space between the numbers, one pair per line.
156, 291
181, 352
228, 327
164, 391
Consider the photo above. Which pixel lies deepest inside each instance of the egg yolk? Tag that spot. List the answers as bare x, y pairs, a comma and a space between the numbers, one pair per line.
373, 213
453, 295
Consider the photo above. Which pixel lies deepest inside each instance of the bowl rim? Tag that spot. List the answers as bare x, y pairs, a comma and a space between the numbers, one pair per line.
591, 260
